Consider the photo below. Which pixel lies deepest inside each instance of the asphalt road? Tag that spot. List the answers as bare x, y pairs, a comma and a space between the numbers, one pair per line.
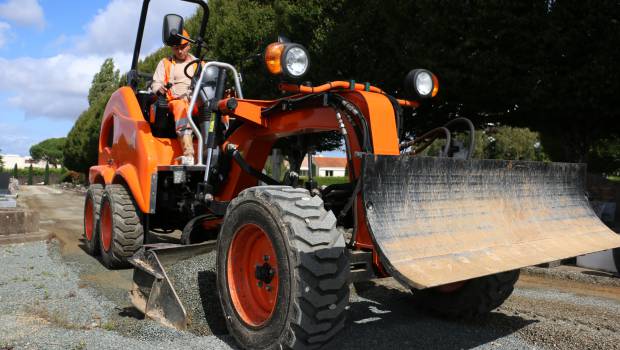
56, 296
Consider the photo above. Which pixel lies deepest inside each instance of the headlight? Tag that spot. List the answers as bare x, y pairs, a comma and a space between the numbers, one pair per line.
287, 59
421, 83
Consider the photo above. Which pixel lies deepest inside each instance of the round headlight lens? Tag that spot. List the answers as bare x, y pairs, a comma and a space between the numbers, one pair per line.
296, 61
424, 83
420, 83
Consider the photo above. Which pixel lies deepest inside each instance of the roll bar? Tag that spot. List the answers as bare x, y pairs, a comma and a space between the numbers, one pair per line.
143, 13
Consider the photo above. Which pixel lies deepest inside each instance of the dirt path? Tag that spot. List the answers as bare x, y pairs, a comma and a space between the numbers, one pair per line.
542, 313
61, 214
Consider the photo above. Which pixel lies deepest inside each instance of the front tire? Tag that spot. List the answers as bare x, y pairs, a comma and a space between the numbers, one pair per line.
92, 207
474, 297
282, 271
121, 231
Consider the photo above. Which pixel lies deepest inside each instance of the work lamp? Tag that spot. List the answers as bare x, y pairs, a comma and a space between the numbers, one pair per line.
421, 83
287, 59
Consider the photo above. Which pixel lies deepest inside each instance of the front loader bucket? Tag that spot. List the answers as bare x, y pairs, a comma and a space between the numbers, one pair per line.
436, 221
175, 285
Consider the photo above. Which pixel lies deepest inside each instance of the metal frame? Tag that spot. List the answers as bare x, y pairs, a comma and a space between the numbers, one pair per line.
192, 103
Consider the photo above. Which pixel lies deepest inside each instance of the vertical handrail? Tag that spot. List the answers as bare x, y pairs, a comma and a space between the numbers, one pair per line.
197, 88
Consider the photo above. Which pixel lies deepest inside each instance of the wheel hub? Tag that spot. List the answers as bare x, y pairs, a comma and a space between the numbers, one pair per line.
264, 273
252, 269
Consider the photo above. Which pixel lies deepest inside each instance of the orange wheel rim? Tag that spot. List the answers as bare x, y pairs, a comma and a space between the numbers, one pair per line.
252, 272
88, 219
106, 226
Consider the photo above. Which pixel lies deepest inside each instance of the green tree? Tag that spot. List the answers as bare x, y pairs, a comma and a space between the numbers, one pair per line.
1, 160
104, 82
81, 146
46, 179
50, 150
514, 143
81, 149
30, 176
15, 171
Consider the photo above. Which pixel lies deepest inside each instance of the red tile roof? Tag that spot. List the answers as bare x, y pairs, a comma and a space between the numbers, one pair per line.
326, 162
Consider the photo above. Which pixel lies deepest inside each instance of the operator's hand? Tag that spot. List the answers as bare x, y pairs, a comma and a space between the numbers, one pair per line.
162, 91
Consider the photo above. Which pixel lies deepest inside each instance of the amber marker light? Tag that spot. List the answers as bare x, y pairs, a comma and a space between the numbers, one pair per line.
435, 85
273, 58
287, 59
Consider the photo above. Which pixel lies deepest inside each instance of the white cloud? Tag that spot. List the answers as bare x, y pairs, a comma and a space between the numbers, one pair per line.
57, 87
54, 87
24, 12
5, 33
114, 28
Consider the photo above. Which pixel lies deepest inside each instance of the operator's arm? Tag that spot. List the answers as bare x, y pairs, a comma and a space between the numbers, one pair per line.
158, 77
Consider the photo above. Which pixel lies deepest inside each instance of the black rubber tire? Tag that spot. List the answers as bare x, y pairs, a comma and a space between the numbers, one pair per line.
616, 254
476, 297
93, 194
313, 268
127, 230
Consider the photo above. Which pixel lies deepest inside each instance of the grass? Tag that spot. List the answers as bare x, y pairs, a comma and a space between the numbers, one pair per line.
80, 346
54, 318
327, 180
108, 326
613, 178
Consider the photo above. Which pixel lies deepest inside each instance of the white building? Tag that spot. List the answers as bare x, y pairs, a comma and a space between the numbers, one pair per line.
325, 166
22, 162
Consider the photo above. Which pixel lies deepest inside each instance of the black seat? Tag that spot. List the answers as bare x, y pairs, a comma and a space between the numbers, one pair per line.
162, 123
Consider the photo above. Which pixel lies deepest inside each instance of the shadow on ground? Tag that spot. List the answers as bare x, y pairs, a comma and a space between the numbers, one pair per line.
385, 318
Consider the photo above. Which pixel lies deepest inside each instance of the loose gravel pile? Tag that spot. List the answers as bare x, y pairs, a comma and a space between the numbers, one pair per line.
194, 280
562, 273
44, 305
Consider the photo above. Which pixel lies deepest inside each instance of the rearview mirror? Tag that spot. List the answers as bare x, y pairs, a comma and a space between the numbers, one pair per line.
173, 25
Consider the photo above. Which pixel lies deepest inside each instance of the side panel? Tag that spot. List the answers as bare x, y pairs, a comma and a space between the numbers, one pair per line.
127, 143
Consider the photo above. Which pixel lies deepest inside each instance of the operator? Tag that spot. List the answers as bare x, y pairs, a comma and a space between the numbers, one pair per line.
170, 80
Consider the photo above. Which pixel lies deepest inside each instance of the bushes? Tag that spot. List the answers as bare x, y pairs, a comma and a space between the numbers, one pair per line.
502, 142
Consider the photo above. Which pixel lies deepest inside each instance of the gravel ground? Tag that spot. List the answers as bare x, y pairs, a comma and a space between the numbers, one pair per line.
44, 306
54, 296
195, 282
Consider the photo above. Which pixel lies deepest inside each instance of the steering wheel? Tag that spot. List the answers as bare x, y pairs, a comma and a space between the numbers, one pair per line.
186, 71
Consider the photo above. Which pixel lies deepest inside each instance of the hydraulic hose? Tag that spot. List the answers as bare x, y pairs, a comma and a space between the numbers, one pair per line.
472, 132
428, 138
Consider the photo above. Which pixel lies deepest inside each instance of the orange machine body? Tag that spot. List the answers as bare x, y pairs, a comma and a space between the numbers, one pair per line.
129, 153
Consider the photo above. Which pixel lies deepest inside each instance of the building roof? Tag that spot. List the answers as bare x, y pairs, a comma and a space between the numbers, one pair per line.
326, 162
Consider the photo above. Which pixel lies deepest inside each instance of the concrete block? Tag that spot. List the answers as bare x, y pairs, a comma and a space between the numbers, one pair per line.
18, 221
598, 261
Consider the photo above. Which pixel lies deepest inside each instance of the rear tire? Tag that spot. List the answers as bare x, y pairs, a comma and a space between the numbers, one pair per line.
616, 253
92, 206
475, 297
310, 277
120, 227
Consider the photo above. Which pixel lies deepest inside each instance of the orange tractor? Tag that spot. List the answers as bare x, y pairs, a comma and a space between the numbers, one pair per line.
454, 230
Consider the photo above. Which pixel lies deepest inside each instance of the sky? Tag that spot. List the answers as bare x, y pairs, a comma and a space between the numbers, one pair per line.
51, 49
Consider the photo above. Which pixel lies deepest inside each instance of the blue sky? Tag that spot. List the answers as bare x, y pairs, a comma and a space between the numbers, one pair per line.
49, 52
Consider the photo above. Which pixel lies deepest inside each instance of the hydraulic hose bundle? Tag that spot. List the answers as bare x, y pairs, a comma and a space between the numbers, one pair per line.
429, 137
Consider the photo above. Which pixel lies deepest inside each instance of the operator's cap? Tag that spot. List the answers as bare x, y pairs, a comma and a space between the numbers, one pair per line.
185, 34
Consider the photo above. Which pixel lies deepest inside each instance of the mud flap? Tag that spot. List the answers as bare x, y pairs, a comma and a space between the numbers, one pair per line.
441, 220
154, 290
